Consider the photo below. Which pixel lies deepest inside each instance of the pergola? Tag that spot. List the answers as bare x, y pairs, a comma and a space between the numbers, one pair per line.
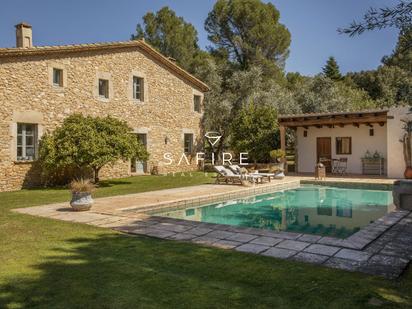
330, 120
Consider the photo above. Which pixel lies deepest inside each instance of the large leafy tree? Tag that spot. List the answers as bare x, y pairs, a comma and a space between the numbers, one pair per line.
331, 69
248, 33
391, 83
398, 16
240, 88
254, 131
388, 85
172, 36
402, 55
89, 142
321, 94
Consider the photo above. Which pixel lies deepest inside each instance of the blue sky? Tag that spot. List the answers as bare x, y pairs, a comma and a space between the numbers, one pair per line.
312, 23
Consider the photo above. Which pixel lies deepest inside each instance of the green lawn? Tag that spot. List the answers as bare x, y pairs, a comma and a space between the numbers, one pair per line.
47, 263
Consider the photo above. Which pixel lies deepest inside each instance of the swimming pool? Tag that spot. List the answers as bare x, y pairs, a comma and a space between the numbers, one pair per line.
312, 209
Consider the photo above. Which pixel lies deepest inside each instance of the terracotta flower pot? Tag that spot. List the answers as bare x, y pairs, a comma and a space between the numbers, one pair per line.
408, 172
81, 201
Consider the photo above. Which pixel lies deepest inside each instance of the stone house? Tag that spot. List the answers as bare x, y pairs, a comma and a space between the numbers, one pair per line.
40, 86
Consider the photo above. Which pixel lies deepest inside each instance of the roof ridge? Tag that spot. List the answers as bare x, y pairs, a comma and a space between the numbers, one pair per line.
36, 50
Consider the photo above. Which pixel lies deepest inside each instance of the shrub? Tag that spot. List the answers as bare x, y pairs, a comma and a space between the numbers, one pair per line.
81, 185
89, 143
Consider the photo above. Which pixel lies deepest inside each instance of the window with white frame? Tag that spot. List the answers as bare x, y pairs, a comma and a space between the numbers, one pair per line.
57, 77
26, 141
188, 143
104, 88
197, 101
138, 88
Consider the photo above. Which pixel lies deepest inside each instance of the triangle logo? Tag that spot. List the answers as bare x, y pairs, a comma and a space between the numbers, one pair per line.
213, 137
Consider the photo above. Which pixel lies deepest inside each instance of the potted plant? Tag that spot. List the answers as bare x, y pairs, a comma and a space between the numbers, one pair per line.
81, 194
406, 140
277, 155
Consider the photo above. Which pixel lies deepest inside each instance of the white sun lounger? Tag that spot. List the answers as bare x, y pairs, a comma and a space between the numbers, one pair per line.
227, 176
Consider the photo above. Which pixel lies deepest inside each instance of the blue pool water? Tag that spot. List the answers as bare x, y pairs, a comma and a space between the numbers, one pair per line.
337, 212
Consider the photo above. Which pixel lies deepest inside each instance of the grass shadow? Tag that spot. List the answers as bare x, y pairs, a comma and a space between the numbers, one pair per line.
111, 183
118, 271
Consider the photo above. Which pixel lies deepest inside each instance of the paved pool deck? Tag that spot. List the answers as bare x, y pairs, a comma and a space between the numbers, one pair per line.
383, 248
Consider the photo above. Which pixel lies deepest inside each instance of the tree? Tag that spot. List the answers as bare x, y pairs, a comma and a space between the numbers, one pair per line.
171, 35
88, 142
321, 94
331, 69
402, 55
388, 85
248, 33
254, 130
399, 16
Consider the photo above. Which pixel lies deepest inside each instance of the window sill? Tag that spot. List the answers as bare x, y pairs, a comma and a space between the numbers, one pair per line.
102, 99
139, 173
138, 102
24, 161
58, 88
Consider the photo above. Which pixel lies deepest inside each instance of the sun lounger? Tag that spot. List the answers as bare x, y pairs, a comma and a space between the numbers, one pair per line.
227, 176
237, 170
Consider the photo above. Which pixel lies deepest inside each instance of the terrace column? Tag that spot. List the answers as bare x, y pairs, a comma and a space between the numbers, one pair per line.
282, 132
282, 138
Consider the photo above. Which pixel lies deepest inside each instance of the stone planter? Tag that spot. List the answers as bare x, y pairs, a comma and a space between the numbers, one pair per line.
402, 194
408, 172
81, 201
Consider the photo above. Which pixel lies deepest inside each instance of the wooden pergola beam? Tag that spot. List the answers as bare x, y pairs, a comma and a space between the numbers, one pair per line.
333, 121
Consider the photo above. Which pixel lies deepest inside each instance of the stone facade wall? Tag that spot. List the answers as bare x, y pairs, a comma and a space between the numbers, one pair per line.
27, 95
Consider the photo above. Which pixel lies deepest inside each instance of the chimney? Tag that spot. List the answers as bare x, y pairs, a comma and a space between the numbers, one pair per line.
24, 36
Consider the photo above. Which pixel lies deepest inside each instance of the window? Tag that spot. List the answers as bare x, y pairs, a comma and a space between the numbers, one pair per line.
343, 145
188, 143
26, 141
57, 77
104, 88
305, 133
371, 132
190, 212
344, 208
138, 88
197, 99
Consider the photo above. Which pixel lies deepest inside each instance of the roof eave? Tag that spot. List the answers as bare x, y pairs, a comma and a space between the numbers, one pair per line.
24, 52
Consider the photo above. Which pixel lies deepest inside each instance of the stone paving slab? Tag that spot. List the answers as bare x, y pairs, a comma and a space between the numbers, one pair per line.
310, 238
252, 248
279, 253
355, 255
226, 244
330, 241
173, 227
182, 236
106, 220
266, 241
205, 240
221, 234
310, 258
199, 231
344, 264
242, 237
293, 245
322, 249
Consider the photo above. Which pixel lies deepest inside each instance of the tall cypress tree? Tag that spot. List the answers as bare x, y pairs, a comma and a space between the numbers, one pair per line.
331, 69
